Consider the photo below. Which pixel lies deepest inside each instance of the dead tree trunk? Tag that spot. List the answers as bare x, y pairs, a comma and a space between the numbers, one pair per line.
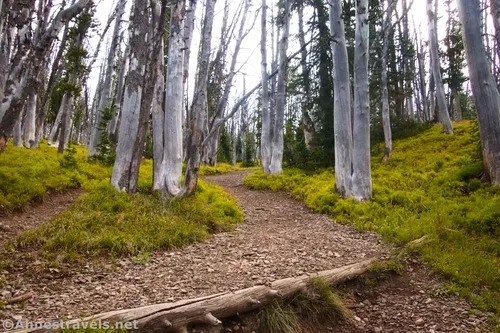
105, 100
307, 123
421, 80
276, 166
128, 140
174, 95
265, 141
198, 116
29, 127
386, 116
486, 95
28, 63
444, 116
178, 316
361, 180
342, 102
211, 145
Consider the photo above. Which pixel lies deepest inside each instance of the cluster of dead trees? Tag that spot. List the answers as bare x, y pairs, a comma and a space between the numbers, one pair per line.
144, 83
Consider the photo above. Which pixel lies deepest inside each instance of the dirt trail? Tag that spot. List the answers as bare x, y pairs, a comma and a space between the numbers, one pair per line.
53, 204
279, 238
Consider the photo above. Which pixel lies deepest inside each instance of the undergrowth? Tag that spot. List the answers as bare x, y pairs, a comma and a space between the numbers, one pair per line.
430, 186
105, 221
305, 310
27, 175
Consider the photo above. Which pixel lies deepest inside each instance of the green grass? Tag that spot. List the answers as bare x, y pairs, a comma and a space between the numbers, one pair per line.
105, 221
429, 187
27, 175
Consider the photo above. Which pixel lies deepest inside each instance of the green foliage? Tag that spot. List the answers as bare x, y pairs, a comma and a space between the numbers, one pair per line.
105, 221
26, 175
68, 160
249, 151
225, 154
429, 187
218, 169
106, 149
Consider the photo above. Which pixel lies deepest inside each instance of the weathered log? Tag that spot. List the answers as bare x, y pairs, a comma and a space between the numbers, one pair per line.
176, 317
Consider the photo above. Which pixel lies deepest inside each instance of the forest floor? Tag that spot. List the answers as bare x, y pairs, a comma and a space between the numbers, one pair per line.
279, 238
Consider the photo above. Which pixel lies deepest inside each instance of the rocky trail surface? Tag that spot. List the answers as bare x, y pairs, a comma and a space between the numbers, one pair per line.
279, 238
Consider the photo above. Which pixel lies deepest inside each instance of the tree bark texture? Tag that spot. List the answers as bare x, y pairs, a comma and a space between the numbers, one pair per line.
484, 88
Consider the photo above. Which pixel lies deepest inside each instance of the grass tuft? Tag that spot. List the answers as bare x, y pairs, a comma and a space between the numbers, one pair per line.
306, 310
279, 317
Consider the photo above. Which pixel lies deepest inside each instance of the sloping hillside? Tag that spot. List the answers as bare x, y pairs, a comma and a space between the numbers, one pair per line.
431, 186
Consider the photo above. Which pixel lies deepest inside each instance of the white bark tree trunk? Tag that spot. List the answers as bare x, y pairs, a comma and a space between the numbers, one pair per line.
53, 132
66, 121
265, 141
17, 133
307, 123
342, 102
174, 93
444, 116
276, 166
198, 111
105, 99
486, 95
386, 115
158, 118
212, 143
421, 79
139, 31
122, 73
28, 60
361, 180
29, 127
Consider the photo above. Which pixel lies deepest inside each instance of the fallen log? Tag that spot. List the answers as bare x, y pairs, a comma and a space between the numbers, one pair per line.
177, 317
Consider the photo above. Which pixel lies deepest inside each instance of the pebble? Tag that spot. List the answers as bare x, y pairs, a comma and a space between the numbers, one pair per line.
419, 322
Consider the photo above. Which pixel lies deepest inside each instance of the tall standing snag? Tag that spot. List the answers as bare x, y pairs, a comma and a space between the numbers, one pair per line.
198, 110
386, 115
174, 95
361, 180
342, 102
276, 166
484, 89
131, 108
265, 142
444, 116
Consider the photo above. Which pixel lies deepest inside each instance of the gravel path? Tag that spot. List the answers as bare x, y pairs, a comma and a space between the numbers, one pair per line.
279, 238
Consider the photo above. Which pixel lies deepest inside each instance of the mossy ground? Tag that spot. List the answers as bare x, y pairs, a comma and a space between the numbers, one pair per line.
430, 186
104, 221
27, 175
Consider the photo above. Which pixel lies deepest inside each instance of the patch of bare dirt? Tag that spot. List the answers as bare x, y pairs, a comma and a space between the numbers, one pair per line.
53, 204
280, 238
